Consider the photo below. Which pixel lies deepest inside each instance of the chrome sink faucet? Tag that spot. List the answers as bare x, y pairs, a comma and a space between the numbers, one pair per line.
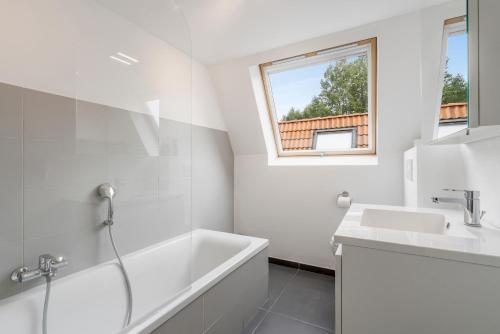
470, 202
48, 265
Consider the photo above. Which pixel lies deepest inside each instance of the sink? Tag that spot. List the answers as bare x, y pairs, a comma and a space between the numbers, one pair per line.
422, 222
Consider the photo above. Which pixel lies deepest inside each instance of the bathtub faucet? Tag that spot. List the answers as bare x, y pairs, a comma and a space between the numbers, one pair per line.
48, 265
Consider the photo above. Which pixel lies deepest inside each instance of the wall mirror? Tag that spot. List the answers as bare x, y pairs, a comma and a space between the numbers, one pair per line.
452, 116
469, 76
453, 106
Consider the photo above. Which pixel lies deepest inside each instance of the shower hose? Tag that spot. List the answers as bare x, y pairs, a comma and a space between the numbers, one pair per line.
48, 280
125, 276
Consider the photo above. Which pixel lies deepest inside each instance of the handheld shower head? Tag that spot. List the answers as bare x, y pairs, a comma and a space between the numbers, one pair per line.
107, 191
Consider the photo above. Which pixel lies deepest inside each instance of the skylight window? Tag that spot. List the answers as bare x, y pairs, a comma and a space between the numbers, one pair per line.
324, 102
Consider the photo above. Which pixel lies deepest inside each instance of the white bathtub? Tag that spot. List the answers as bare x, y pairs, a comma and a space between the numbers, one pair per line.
94, 300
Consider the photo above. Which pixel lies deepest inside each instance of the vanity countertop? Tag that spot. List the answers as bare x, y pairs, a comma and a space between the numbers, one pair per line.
480, 245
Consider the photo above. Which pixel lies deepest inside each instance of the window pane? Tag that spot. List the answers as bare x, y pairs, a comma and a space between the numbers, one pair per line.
334, 141
318, 94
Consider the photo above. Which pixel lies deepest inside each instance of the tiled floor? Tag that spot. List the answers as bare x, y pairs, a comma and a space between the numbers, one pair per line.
300, 302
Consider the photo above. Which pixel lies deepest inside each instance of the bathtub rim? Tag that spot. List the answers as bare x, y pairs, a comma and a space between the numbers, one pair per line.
152, 320
197, 288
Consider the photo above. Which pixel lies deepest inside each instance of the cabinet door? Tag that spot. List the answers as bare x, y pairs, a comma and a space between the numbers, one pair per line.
385, 292
484, 69
489, 67
338, 290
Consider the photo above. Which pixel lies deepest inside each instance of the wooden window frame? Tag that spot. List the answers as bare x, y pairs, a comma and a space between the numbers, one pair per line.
371, 45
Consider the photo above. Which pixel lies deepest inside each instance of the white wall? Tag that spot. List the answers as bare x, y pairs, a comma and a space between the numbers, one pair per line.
64, 49
482, 166
435, 168
295, 206
205, 106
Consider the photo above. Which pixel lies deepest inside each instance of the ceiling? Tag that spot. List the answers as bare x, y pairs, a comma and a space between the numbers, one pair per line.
226, 29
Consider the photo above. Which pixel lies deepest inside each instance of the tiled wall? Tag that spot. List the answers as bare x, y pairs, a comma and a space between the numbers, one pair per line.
11, 212
213, 180
55, 151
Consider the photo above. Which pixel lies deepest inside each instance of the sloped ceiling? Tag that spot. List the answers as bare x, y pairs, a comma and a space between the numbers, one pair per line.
226, 29
219, 30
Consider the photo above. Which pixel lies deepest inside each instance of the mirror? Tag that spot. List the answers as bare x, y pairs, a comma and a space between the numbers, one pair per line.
470, 45
453, 115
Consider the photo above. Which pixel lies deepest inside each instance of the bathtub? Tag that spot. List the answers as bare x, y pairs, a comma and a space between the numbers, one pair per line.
207, 275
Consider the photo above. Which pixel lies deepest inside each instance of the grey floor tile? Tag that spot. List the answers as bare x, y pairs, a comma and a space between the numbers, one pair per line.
279, 276
276, 324
309, 297
254, 323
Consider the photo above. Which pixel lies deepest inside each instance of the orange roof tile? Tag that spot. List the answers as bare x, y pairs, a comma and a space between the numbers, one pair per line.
299, 134
453, 111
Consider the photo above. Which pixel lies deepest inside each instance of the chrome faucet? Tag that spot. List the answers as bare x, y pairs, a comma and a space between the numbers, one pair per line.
48, 265
471, 204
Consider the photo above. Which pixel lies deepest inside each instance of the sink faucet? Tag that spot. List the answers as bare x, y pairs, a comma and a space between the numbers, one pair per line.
470, 202
47, 266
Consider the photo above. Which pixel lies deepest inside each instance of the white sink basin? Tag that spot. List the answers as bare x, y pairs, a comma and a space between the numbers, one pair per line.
404, 220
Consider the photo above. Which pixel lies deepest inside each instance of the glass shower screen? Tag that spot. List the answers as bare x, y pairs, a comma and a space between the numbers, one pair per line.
93, 92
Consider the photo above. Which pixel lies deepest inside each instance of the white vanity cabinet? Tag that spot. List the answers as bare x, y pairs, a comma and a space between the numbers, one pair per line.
385, 292
403, 270
338, 290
